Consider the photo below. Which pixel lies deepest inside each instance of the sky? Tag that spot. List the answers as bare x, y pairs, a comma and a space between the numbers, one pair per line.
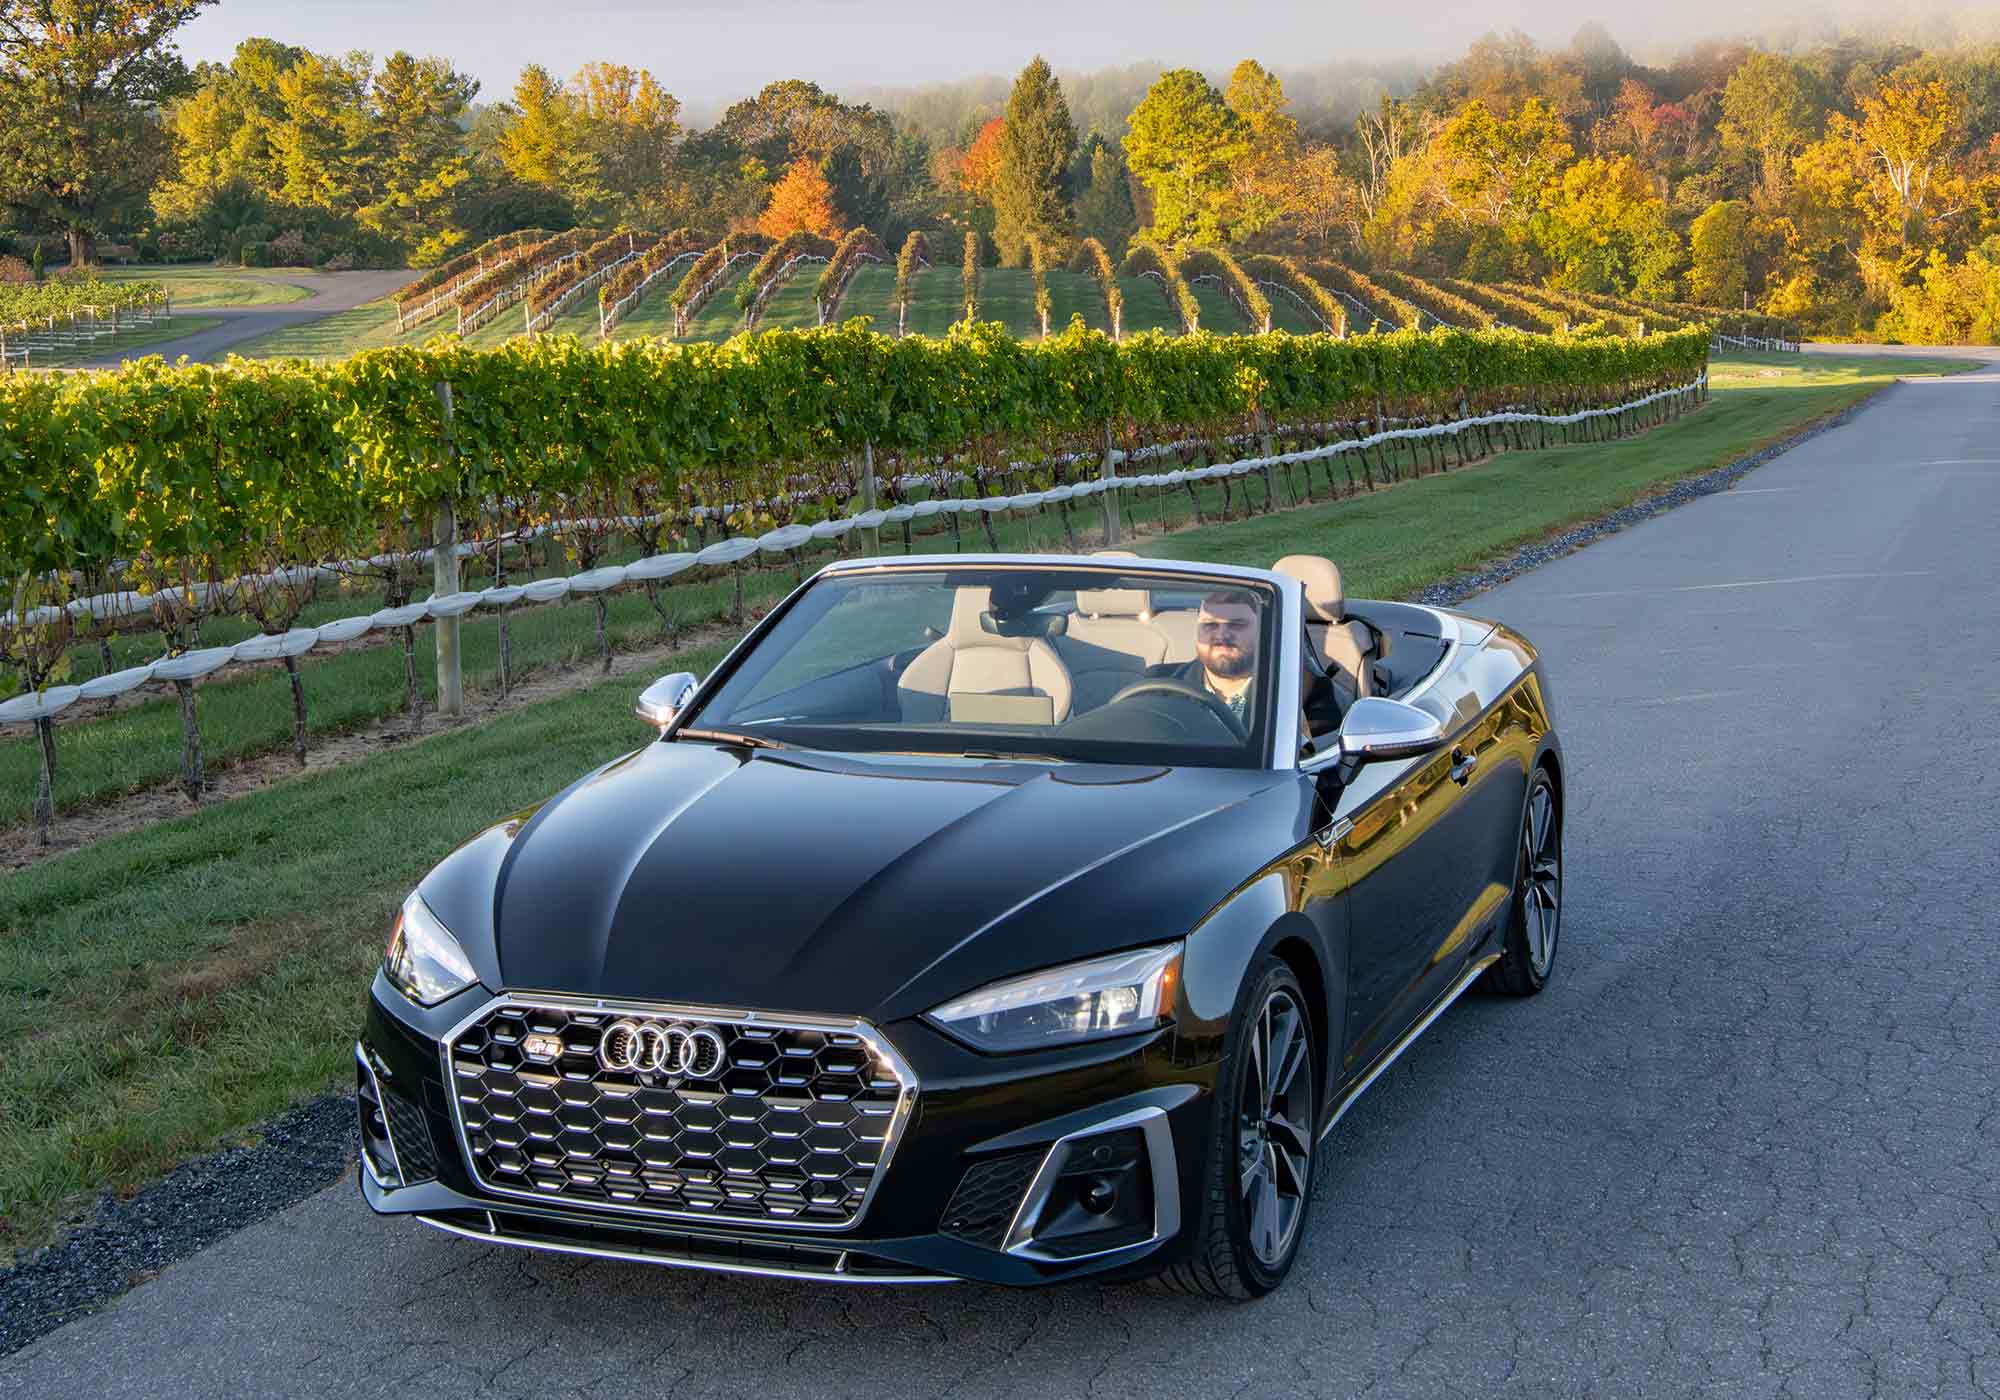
710, 52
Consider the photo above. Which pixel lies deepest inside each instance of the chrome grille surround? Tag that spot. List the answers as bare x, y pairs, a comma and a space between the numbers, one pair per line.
795, 1132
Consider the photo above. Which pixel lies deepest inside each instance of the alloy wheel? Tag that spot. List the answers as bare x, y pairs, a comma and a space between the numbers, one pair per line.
1275, 1128
1541, 889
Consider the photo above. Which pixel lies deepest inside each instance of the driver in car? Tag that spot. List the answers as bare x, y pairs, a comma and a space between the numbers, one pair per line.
1225, 653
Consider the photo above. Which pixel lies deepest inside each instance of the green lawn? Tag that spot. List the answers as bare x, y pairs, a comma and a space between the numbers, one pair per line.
1218, 313
1147, 307
344, 332
132, 341
165, 989
194, 285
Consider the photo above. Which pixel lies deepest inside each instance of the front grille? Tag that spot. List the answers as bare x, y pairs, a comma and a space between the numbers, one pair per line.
987, 1196
793, 1130
411, 1136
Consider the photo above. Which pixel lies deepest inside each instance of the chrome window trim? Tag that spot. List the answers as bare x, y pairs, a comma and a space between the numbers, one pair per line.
1152, 1121
497, 1236
906, 1098
388, 1129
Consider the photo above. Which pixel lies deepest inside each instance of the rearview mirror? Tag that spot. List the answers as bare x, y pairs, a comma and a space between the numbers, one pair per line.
1375, 729
664, 698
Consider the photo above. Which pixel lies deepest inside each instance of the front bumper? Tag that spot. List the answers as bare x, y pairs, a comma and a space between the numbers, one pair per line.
995, 1177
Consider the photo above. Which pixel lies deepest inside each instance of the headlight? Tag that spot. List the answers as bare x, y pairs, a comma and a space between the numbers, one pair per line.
424, 961
1079, 1001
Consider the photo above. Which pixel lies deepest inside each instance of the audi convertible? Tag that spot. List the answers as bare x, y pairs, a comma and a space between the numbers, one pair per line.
1006, 918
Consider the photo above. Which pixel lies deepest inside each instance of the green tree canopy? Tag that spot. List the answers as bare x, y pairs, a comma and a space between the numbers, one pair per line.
1182, 141
79, 81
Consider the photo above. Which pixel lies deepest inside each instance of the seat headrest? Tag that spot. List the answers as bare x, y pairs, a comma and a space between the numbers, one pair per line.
1114, 602
1114, 553
1326, 601
969, 626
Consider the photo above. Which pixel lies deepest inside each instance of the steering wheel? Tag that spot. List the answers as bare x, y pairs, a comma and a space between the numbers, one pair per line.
1161, 685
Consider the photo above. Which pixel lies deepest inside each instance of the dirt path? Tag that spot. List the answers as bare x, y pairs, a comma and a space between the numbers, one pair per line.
331, 292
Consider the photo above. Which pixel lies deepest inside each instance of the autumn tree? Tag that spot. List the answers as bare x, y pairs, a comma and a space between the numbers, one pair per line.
978, 172
1719, 249
1603, 229
544, 145
79, 83
1768, 116
1258, 176
1320, 199
1037, 142
801, 201
630, 124
1182, 141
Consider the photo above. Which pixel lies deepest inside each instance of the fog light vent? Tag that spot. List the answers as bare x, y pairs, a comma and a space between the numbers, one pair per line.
378, 1152
988, 1195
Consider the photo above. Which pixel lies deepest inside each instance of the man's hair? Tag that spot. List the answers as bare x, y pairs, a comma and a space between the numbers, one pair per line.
1229, 598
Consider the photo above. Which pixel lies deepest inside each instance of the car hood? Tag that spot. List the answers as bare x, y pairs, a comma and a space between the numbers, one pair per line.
834, 884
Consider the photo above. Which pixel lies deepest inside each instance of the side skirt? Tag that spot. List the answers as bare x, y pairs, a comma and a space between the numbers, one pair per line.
1409, 1038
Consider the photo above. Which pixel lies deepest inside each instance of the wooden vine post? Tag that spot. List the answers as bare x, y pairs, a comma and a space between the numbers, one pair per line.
871, 539
444, 578
1110, 497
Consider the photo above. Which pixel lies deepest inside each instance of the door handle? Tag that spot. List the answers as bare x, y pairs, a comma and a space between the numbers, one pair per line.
1462, 764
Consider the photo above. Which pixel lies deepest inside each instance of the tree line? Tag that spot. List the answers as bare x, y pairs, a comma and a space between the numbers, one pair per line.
1854, 187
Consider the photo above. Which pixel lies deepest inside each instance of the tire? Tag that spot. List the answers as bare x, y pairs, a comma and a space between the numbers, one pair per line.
1528, 955
1244, 1232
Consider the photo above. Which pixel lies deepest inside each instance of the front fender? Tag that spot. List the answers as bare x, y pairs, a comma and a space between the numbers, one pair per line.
1261, 918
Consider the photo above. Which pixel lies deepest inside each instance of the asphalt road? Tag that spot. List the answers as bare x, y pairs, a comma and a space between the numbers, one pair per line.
331, 292
1748, 1143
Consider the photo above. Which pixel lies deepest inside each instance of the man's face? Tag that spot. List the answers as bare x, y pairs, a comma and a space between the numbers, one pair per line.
1226, 639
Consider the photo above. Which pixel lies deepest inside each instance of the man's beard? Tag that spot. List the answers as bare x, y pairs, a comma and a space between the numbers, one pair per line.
1230, 663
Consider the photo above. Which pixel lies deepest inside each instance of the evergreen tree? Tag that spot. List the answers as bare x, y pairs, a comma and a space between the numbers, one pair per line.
1036, 144
1104, 209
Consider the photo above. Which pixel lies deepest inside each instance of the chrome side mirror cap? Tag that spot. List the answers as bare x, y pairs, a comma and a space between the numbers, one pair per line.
661, 701
1375, 729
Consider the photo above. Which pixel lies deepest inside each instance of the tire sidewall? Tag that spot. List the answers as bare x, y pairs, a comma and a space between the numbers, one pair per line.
1522, 860
1258, 1277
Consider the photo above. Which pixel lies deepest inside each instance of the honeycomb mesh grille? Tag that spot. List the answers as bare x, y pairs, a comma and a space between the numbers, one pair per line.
987, 1196
411, 1137
792, 1130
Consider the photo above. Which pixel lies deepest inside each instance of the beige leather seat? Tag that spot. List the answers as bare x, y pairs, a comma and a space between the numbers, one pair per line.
1344, 645
973, 675
1110, 643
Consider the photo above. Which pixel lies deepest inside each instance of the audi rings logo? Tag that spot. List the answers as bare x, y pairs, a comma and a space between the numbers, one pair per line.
661, 1047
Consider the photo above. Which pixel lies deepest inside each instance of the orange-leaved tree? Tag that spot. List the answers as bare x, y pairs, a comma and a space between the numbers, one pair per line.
801, 202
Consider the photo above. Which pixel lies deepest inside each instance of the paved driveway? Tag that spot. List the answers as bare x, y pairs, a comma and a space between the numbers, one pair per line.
1747, 1145
331, 292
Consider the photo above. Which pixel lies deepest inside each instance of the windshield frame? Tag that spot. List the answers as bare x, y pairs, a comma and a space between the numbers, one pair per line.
1281, 746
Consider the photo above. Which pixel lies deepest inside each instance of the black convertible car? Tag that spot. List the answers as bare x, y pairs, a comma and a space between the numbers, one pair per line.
981, 917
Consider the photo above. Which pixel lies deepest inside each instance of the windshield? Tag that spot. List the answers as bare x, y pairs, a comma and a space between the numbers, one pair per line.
1083, 665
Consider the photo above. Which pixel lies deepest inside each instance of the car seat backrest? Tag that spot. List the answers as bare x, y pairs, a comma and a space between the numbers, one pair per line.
975, 675
1344, 644
1110, 643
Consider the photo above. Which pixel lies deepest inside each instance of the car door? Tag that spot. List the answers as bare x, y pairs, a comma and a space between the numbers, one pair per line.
1416, 857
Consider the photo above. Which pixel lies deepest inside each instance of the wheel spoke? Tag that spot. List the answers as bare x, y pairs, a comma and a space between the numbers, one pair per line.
1289, 1136
1286, 1062
1538, 821
1252, 1171
1291, 1172
1267, 1216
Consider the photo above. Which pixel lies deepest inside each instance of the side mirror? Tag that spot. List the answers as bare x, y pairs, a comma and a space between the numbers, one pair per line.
663, 699
1375, 729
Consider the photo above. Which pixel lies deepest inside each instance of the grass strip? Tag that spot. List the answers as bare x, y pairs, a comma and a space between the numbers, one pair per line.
168, 988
